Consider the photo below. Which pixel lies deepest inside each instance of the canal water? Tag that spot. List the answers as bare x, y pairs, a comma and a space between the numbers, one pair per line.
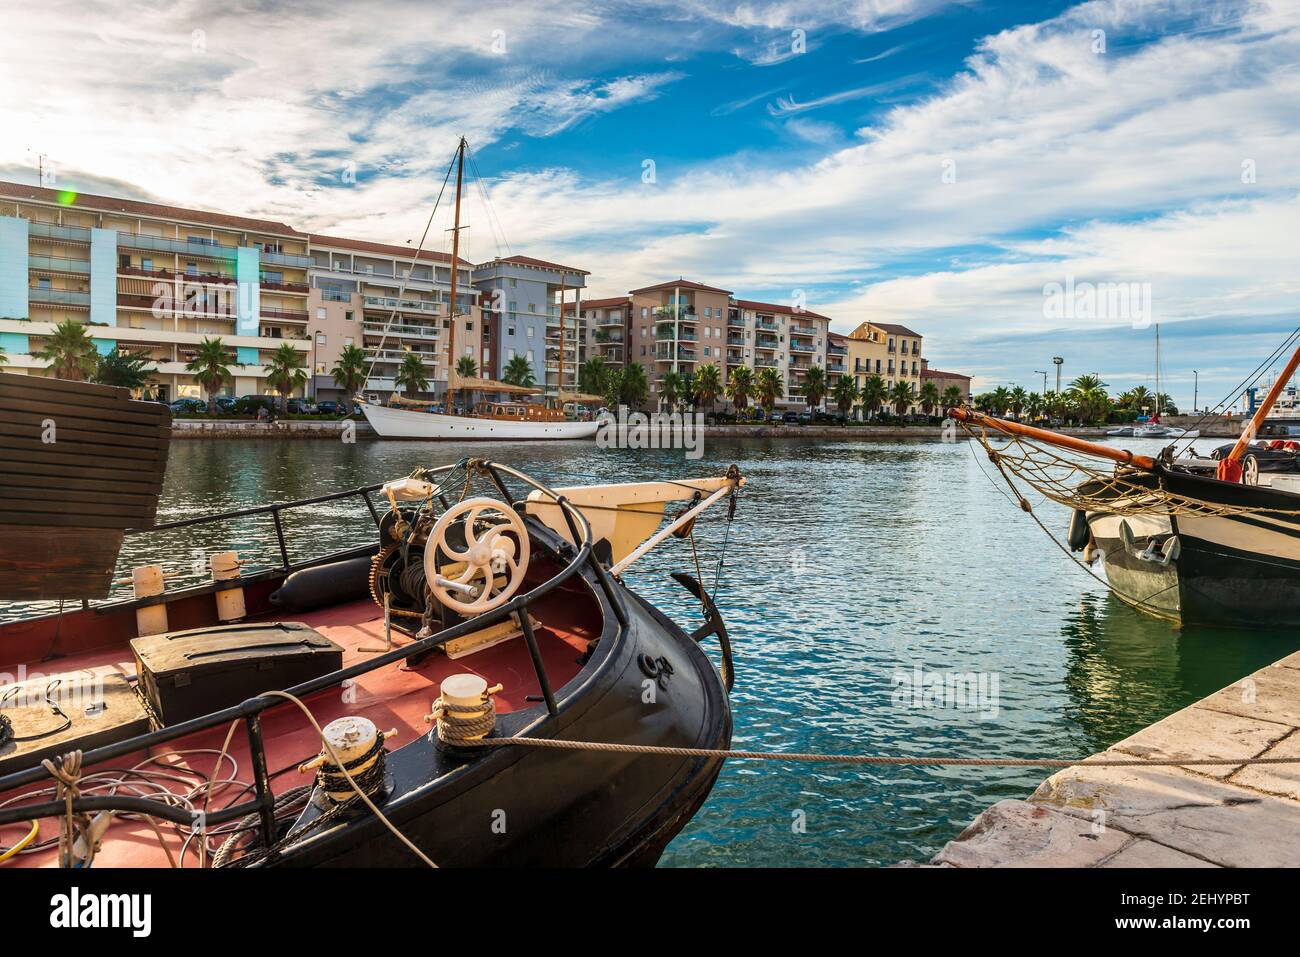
856, 574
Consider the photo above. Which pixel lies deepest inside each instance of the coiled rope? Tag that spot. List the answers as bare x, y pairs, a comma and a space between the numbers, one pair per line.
465, 724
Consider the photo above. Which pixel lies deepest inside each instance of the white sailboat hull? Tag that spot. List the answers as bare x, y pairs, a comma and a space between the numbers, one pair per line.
390, 423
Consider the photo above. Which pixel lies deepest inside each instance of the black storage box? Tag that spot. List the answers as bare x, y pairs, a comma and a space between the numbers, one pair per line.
187, 674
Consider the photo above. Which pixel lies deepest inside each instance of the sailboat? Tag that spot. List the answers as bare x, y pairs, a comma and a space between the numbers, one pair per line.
508, 418
1154, 429
1176, 538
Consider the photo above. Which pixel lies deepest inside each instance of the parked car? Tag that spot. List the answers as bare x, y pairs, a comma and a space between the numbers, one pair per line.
226, 404
301, 407
805, 418
249, 404
180, 406
790, 418
330, 407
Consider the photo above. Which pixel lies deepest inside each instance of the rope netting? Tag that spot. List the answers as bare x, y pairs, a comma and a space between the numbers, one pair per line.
1076, 480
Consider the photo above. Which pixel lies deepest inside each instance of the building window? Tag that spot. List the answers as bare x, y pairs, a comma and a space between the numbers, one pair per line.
347, 316
348, 340
320, 338
320, 312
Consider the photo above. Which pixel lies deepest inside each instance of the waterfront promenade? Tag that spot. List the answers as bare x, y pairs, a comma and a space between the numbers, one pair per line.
1206, 816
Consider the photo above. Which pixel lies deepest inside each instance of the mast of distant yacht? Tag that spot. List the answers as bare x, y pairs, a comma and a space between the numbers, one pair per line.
455, 264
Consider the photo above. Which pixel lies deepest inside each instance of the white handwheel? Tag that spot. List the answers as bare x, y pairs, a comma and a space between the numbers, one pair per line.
502, 550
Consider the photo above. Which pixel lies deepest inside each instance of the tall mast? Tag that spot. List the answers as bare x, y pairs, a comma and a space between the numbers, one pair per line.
455, 268
559, 393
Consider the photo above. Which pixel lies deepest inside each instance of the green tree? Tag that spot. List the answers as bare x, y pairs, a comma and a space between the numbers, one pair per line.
1001, 400
466, 367
411, 374
129, 370
929, 398
902, 398
670, 389
591, 376
952, 397
211, 369
1088, 393
740, 387
349, 372
874, 393
845, 394
1017, 399
285, 372
814, 387
708, 384
519, 371
613, 387
769, 387
70, 352
633, 387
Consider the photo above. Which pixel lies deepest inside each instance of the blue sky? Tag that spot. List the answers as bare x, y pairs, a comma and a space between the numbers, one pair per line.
938, 164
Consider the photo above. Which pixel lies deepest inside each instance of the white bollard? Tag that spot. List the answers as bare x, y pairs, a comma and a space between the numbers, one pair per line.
147, 581
230, 601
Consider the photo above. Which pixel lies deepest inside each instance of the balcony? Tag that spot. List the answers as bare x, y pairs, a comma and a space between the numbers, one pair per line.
803, 347
403, 305
766, 342
59, 297
287, 259
211, 278
397, 329
180, 246
62, 234
803, 330
288, 315
765, 363
768, 324
735, 340
300, 288
57, 264
397, 355
836, 367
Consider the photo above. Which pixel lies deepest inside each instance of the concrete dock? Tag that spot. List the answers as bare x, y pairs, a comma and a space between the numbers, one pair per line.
1212, 816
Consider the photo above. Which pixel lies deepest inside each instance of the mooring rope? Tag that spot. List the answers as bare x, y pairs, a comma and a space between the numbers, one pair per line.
813, 758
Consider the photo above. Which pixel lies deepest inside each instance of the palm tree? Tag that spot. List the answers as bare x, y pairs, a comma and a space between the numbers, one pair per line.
1017, 399
769, 387
1088, 392
845, 394
874, 393
613, 387
1001, 400
4, 359
670, 389
689, 397
929, 398
129, 370
814, 386
70, 352
519, 371
952, 397
349, 370
466, 367
632, 387
285, 372
740, 386
708, 384
591, 376
210, 369
411, 374
901, 398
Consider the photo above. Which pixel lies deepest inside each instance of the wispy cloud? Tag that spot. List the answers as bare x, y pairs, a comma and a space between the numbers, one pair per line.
787, 104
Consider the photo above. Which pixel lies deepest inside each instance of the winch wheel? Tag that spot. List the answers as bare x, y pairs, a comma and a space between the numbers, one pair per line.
501, 551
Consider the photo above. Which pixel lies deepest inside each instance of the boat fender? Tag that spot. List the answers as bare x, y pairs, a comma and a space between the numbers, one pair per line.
321, 585
1079, 531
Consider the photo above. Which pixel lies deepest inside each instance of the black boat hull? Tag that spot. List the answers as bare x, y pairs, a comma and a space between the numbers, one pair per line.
1238, 568
532, 807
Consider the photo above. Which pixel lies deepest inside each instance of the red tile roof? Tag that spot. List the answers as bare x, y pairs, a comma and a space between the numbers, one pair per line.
131, 207
681, 284
536, 263
896, 329
777, 307
602, 303
940, 374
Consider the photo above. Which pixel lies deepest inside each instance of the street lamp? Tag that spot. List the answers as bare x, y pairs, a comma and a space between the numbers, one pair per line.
1057, 361
1196, 381
1044, 375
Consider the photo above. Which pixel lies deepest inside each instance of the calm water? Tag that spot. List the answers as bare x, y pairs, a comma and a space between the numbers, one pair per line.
849, 563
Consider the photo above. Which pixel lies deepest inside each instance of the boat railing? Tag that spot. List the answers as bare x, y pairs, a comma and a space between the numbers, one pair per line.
262, 803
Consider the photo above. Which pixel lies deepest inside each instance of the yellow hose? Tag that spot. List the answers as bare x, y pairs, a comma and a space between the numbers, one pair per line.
31, 836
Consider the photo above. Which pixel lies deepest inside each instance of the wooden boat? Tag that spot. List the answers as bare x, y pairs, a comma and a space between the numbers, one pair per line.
79, 464
1176, 538
518, 590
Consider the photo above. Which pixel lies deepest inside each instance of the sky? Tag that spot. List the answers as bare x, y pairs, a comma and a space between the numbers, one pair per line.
1015, 181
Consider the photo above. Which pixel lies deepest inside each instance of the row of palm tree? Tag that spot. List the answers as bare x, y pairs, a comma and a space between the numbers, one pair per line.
72, 355
1084, 400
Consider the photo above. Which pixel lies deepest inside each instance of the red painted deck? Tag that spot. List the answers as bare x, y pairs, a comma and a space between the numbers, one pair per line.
392, 697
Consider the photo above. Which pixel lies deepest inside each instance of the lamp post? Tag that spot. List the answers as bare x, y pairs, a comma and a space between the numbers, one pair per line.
1196, 381
1044, 375
1057, 361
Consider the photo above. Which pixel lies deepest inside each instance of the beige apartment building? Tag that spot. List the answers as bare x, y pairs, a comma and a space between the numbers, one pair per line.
890, 351
158, 279
151, 278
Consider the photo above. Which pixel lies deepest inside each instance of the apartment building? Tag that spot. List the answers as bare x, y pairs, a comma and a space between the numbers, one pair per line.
837, 359
944, 380
389, 301
606, 322
890, 351
522, 296
152, 278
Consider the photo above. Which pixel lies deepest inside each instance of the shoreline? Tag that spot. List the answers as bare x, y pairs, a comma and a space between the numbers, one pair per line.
299, 430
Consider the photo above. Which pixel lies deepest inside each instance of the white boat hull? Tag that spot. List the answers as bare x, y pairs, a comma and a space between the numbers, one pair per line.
391, 423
